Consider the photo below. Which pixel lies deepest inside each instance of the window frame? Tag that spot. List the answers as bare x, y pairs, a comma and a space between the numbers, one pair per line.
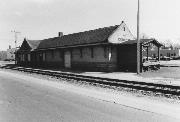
81, 52
92, 52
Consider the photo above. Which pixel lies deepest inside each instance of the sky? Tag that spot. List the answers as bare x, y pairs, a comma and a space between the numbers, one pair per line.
40, 19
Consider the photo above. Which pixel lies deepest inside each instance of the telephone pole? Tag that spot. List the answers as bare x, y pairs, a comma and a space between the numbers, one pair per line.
15, 37
138, 39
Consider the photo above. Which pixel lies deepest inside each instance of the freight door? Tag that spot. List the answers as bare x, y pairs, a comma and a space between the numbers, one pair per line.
67, 59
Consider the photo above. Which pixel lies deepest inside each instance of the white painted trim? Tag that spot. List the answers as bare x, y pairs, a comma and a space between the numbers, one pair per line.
119, 29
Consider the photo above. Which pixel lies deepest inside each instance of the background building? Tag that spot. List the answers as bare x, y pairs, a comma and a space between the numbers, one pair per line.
164, 52
3, 55
11, 53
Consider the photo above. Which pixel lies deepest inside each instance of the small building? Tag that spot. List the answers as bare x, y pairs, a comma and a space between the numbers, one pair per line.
170, 53
105, 49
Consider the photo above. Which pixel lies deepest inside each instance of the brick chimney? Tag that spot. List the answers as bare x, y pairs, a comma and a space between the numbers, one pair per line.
60, 34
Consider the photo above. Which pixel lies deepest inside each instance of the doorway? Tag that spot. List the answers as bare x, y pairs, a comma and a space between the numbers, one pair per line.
67, 59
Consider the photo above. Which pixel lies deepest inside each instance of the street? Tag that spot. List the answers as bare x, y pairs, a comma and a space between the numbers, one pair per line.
24, 101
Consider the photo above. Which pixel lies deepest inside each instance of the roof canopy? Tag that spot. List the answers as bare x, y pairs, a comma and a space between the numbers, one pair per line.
144, 42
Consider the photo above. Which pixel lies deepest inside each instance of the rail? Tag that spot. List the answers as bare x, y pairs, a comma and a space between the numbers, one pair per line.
158, 89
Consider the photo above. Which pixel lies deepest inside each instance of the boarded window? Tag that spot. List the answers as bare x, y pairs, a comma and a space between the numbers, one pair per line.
71, 51
92, 52
44, 56
29, 57
60, 53
23, 57
81, 53
110, 52
105, 51
52, 53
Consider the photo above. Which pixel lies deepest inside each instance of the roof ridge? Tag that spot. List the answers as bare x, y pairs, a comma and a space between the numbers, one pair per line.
91, 30
77, 33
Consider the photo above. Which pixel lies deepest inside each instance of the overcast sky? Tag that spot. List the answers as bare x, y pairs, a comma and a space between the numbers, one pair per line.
39, 19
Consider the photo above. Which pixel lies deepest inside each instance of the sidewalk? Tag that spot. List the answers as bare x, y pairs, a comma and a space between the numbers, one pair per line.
124, 76
133, 77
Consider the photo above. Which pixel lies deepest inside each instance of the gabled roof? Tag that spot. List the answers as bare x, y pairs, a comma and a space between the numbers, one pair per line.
143, 42
88, 37
29, 45
97, 36
33, 44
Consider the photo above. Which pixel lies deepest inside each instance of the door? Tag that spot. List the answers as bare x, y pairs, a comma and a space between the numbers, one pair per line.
67, 59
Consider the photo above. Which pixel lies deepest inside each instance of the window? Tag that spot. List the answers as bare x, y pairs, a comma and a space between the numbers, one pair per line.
81, 53
52, 53
92, 52
105, 51
111, 49
71, 51
44, 56
60, 53
29, 57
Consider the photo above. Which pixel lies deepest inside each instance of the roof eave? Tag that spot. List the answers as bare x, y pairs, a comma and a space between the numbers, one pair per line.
73, 46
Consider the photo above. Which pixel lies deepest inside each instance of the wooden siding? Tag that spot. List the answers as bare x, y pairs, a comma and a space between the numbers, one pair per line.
97, 62
116, 58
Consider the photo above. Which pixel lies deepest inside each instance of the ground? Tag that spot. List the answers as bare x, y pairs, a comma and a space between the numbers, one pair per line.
25, 98
169, 69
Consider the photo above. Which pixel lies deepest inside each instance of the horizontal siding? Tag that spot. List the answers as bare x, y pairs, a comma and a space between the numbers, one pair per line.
98, 52
58, 57
99, 62
95, 66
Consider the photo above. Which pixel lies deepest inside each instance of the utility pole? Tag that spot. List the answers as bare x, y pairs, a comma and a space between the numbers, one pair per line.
138, 39
15, 37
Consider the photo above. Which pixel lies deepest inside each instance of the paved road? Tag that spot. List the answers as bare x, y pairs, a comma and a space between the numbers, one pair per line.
23, 101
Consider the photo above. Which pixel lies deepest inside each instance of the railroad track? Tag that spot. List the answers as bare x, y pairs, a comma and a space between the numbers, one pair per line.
157, 89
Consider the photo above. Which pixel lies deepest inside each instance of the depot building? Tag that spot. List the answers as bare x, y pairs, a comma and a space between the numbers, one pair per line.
105, 49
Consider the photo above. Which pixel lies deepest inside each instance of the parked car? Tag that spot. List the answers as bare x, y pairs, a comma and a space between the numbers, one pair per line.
176, 57
149, 59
